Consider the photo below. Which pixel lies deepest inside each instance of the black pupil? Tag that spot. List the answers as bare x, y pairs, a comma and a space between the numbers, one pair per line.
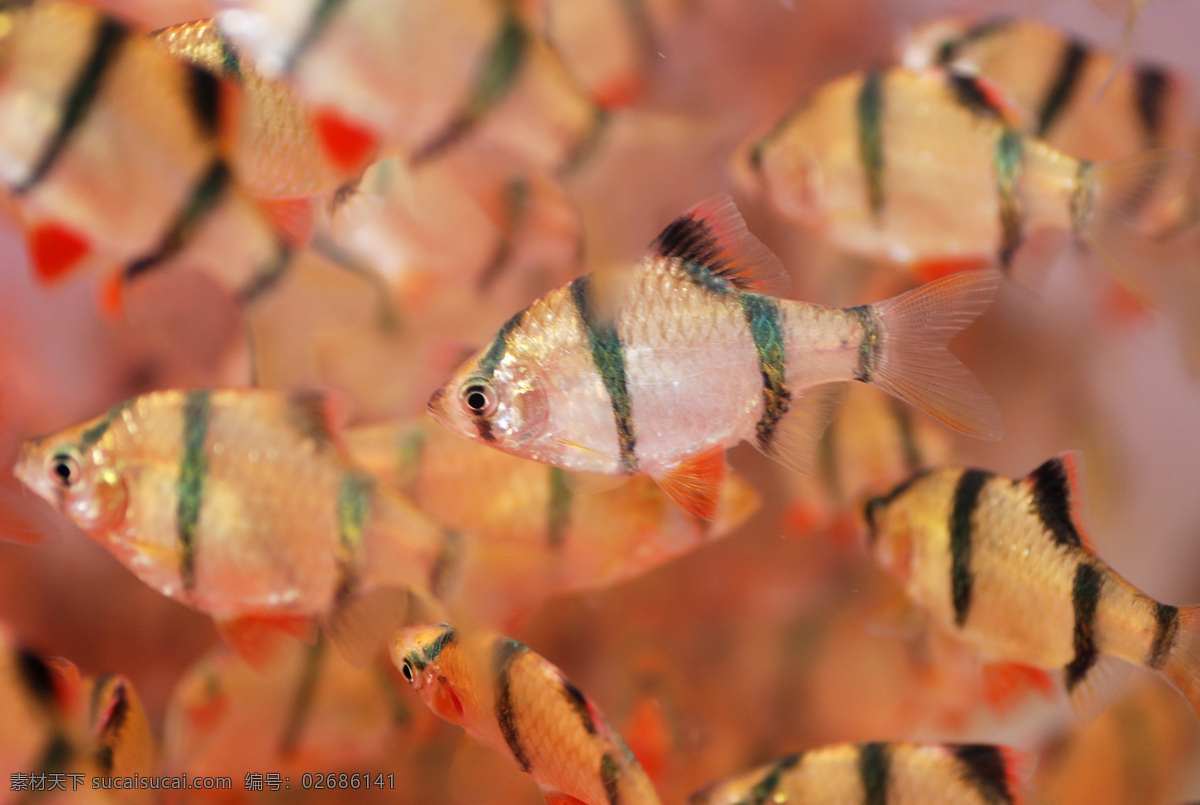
476, 399
63, 469
407, 670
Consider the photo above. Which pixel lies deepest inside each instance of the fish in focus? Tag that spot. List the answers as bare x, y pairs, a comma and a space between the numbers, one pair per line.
239, 503
1003, 564
931, 170
1055, 80
420, 76
276, 149
657, 369
528, 532
111, 149
518, 704
869, 773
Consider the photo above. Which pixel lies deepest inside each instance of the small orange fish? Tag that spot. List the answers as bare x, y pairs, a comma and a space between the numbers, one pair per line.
515, 702
869, 773
657, 369
239, 503
1003, 564
112, 150
932, 170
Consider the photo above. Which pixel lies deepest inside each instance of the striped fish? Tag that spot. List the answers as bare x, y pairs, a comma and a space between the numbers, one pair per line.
39, 703
239, 503
421, 76
1056, 79
527, 530
932, 170
515, 702
112, 151
878, 773
124, 743
655, 370
1003, 564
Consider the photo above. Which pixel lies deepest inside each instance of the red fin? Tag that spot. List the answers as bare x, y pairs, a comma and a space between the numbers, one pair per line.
1005, 684
559, 798
622, 91
695, 483
68, 684
348, 144
999, 99
935, 268
647, 737
295, 218
112, 296
713, 235
204, 715
256, 637
55, 250
1122, 306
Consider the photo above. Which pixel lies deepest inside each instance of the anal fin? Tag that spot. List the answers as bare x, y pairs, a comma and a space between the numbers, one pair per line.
695, 483
256, 638
1091, 694
793, 442
1005, 685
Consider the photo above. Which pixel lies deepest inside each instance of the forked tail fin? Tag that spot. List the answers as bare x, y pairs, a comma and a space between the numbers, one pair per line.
904, 350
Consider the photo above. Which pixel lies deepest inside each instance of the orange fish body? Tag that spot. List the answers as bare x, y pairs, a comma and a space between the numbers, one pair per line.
112, 149
1002, 564
896, 773
236, 502
515, 702
683, 358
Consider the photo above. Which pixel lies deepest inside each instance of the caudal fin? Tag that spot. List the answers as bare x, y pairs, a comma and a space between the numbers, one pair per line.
909, 358
1181, 644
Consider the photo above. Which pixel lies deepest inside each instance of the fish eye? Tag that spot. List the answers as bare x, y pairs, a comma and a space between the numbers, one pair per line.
479, 398
64, 467
407, 670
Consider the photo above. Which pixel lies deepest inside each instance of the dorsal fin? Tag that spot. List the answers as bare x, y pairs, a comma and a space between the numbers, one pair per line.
984, 97
320, 415
1058, 498
713, 237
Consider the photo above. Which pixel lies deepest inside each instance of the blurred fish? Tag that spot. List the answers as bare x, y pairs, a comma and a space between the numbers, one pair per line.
656, 370
239, 503
1003, 564
1055, 80
515, 702
112, 151
868, 773
124, 743
276, 151
931, 170
420, 76
528, 531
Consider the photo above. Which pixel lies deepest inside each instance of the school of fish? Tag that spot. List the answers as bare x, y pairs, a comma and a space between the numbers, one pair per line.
376, 377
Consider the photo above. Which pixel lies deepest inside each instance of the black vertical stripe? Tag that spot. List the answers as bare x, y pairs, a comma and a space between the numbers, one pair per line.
579, 704
869, 110
868, 354
1085, 596
206, 193
608, 356
766, 328
1166, 624
37, 677
764, 788
1066, 81
962, 579
109, 36
317, 23
193, 467
610, 776
506, 652
1052, 502
1150, 89
267, 275
973, 95
986, 768
1009, 163
873, 768
204, 88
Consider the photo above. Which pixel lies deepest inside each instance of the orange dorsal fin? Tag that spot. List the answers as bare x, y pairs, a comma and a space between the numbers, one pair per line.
256, 637
712, 240
984, 97
348, 144
648, 736
934, 268
111, 296
1005, 685
1058, 498
695, 483
55, 250
295, 218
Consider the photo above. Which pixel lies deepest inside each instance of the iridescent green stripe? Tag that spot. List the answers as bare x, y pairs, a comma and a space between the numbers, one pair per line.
353, 508
1009, 160
559, 515
608, 356
93, 434
766, 328
193, 467
870, 138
